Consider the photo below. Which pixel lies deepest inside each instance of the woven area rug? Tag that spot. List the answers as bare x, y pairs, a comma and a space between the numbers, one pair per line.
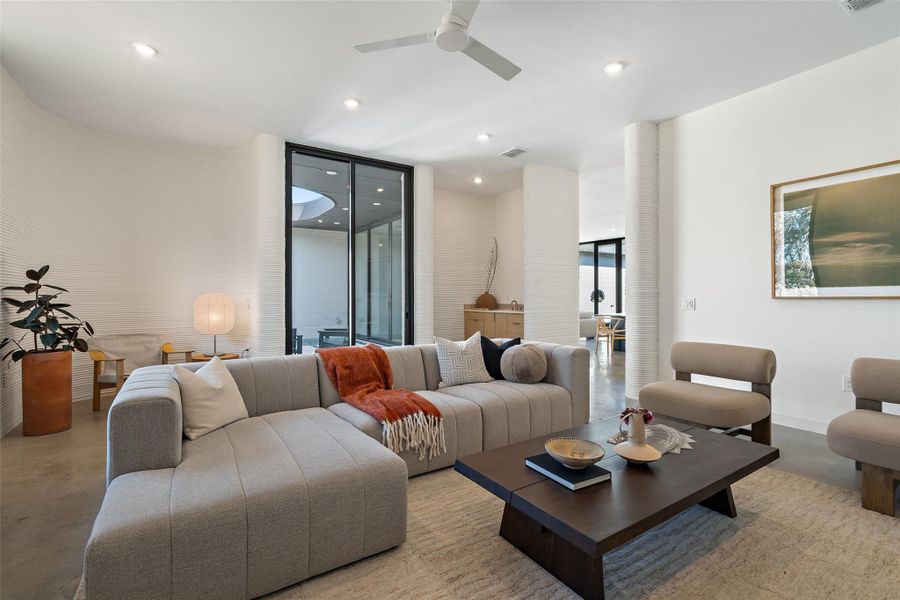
793, 538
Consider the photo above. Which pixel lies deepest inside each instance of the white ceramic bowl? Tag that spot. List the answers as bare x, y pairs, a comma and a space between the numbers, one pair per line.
574, 453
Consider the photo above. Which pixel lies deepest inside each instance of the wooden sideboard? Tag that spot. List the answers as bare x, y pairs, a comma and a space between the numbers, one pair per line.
500, 322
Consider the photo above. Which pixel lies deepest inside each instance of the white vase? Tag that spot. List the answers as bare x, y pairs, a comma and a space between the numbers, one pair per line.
636, 449
637, 435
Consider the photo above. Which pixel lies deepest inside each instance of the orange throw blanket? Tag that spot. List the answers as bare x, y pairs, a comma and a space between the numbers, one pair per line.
363, 378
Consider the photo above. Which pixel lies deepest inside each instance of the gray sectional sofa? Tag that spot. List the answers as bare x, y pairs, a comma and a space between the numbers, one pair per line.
301, 487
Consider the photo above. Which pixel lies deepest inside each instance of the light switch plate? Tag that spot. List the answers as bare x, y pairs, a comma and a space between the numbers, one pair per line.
846, 384
688, 304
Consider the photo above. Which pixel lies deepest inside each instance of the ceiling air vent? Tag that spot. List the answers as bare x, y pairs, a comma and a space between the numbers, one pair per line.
858, 5
512, 152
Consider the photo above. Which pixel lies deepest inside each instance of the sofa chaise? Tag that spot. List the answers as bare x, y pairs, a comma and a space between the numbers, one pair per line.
301, 487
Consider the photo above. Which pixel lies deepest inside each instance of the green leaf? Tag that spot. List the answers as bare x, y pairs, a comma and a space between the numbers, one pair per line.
61, 305
13, 287
20, 324
32, 275
34, 314
89, 328
5, 342
31, 288
13, 302
26, 306
18, 355
55, 287
43, 271
52, 324
80, 345
49, 339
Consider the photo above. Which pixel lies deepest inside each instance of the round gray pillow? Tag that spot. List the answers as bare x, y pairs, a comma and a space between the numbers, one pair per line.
523, 364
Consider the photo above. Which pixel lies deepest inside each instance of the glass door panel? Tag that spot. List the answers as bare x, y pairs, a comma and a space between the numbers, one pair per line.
606, 277
320, 251
586, 278
379, 194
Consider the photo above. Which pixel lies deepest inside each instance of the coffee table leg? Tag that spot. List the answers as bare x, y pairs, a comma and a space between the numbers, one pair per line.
577, 569
721, 502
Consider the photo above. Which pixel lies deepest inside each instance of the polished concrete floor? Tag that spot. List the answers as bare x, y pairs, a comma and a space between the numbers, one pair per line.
51, 487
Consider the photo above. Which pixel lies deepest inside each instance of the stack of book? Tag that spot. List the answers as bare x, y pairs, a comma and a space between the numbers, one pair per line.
547, 466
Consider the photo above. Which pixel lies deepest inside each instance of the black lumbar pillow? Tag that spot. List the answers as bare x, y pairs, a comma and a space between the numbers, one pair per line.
492, 353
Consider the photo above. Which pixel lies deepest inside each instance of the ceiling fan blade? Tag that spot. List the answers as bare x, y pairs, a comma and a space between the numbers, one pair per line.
464, 9
410, 40
491, 60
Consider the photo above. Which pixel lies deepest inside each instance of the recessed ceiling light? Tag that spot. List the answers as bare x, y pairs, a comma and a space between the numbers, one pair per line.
345, 208
337, 222
331, 172
484, 137
380, 190
376, 204
321, 221
613, 68
351, 103
145, 50
478, 180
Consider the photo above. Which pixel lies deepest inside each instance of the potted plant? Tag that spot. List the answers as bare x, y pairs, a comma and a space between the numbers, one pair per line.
487, 300
47, 367
598, 296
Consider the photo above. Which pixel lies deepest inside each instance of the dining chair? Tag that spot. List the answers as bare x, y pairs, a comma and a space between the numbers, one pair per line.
603, 332
617, 327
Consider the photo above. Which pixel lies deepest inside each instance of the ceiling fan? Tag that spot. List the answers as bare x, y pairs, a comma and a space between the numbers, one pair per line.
452, 35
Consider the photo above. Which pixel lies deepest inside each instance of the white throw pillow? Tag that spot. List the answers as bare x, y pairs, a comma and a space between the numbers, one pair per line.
210, 398
462, 362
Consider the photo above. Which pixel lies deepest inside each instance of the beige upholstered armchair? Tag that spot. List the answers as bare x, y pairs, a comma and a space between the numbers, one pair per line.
713, 406
116, 356
869, 436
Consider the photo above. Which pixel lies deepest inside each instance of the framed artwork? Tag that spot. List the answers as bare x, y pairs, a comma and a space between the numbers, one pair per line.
838, 235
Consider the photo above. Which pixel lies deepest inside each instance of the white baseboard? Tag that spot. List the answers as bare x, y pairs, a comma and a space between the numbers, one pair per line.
800, 423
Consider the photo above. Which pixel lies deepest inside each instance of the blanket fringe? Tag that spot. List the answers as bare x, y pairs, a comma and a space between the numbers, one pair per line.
417, 431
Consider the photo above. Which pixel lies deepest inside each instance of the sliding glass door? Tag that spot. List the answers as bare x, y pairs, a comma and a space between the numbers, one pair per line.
348, 251
601, 266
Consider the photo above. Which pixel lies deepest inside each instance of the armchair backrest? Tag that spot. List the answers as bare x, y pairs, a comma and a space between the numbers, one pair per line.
875, 380
740, 363
138, 349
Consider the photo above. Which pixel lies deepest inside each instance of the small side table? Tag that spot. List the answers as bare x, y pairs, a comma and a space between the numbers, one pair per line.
204, 358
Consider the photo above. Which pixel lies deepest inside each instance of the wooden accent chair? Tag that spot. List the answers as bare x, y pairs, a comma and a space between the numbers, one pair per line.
609, 332
869, 436
116, 356
713, 406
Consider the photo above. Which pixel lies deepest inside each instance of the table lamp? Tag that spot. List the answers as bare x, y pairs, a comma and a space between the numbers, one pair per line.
213, 315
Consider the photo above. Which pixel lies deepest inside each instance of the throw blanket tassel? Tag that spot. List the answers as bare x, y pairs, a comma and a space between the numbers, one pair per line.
418, 431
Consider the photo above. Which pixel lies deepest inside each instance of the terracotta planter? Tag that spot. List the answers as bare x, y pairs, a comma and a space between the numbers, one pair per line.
46, 392
486, 301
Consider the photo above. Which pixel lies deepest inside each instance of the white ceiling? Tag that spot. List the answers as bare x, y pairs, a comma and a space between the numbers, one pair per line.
226, 71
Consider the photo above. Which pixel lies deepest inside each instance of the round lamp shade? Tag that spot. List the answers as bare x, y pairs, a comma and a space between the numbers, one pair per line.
213, 314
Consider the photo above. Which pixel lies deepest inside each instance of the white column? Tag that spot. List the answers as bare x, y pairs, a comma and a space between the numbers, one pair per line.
268, 314
423, 255
550, 254
642, 251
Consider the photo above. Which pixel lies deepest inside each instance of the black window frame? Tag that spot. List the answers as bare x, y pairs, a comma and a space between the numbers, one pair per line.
408, 230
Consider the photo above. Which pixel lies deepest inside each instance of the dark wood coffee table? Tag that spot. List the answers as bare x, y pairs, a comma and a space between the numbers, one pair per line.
567, 533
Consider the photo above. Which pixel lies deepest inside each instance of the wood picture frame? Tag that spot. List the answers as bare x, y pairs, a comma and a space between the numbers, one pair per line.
824, 247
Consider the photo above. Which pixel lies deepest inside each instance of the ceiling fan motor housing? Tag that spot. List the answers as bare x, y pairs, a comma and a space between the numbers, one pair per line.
451, 34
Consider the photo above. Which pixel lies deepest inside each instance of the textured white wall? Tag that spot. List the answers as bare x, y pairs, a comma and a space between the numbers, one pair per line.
423, 255
716, 166
142, 229
463, 230
508, 216
550, 254
642, 249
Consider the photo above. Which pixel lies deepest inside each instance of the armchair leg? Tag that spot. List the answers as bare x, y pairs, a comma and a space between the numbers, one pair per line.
120, 376
761, 431
878, 489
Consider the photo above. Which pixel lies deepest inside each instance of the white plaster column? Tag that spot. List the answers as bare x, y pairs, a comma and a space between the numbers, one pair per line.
423, 255
642, 252
268, 312
550, 254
